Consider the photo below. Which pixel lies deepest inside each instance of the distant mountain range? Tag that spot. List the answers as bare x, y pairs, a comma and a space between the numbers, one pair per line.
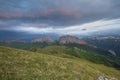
109, 43
62, 40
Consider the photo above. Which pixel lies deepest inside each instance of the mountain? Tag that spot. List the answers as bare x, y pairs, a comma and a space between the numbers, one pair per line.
111, 44
42, 42
25, 65
62, 40
44, 39
71, 39
89, 45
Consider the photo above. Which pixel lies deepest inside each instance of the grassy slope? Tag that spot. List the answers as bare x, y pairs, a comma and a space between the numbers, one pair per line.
90, 49
24, 46
78, 53
23, 65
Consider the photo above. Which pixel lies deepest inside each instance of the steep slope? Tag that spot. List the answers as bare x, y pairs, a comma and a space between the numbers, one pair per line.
24, 65
112, 44
92, 49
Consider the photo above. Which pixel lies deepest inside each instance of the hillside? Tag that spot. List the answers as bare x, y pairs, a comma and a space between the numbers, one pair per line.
25, 65
24, 46
92, 53
112, 44
79, 52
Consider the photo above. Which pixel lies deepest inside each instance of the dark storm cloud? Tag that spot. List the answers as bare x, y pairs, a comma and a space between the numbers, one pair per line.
70, 16
62, 11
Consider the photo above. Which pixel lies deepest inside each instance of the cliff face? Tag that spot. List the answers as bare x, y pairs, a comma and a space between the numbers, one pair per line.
71, 39
41, 40
62, 40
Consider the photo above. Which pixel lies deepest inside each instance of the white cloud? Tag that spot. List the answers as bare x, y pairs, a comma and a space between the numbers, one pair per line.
97, 26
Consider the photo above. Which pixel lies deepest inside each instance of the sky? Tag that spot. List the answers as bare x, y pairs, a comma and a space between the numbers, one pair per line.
30, 18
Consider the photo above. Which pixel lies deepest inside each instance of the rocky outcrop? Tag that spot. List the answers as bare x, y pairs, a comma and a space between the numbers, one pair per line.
44, 39
106, 78
71, 39
112, 52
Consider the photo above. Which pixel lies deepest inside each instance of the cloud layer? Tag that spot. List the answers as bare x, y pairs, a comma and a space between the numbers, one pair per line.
75, 17
72, 30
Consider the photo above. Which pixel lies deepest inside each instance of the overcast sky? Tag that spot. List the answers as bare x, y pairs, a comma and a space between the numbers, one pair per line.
73, 17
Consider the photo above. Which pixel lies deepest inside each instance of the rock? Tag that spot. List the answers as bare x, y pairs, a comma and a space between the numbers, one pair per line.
106, 78
100, 78
71, 39
112, 52
44, 39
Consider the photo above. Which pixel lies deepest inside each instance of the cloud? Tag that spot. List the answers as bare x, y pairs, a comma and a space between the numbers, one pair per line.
84, 29
60, 11
75, 17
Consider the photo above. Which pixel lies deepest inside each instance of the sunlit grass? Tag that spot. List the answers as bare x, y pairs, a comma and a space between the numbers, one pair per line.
24, 65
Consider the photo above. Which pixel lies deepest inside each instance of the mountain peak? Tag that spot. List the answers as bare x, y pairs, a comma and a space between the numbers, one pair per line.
46, 39
71, 39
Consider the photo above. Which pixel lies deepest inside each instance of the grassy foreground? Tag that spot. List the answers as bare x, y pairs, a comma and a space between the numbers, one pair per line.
24, 65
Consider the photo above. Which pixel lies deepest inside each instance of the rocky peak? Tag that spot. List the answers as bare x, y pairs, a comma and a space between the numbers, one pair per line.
44, 39
71, 39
